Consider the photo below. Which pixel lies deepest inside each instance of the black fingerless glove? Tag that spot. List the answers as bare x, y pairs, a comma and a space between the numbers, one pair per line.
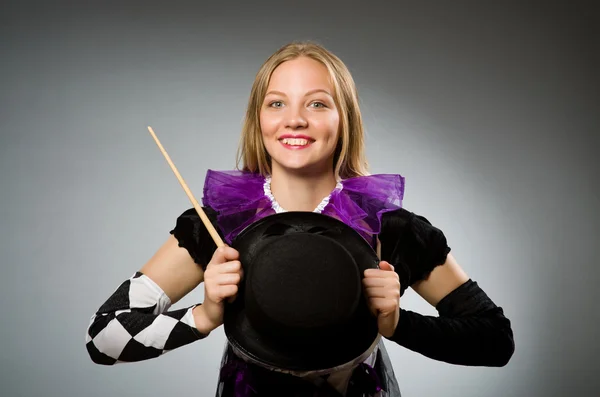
470, 330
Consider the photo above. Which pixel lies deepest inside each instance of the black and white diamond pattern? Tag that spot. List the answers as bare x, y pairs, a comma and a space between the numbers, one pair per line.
134, 324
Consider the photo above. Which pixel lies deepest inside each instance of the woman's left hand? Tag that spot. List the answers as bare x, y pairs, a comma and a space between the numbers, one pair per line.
382, 288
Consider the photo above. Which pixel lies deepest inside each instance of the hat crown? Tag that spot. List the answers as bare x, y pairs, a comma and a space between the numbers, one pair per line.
304, 284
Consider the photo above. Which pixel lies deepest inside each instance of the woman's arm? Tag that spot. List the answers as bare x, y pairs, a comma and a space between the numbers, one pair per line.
173, 269
470, 328
134, 324
441, 281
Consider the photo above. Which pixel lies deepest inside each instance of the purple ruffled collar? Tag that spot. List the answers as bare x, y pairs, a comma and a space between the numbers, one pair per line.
242, 198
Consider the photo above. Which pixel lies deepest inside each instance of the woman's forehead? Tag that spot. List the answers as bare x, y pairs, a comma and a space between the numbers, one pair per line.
300, 76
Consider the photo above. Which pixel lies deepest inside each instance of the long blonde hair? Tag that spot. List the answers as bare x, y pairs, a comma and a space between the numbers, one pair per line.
349, 158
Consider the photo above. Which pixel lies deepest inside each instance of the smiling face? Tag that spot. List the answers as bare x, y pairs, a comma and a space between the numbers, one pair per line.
299, 120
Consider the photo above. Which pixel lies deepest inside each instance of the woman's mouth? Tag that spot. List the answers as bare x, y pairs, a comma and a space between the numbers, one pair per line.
295, 143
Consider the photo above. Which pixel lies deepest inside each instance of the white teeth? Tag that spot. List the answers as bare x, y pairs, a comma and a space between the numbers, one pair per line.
295, 141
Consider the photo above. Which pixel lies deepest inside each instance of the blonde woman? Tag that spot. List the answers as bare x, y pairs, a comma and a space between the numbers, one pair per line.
302, 149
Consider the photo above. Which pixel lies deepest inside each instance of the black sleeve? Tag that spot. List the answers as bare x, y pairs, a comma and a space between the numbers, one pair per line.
193, 235
412, 245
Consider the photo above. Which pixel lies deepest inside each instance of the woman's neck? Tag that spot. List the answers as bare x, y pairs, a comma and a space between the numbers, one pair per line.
300, 192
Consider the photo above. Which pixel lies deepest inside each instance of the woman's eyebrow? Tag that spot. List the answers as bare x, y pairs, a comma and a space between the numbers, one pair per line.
275, 92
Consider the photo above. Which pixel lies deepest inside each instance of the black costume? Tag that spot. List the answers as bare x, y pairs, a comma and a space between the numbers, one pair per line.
134, 323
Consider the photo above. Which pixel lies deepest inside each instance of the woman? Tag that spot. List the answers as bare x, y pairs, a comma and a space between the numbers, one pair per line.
302, 150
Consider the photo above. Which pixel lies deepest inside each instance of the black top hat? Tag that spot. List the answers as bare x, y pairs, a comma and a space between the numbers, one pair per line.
301, 306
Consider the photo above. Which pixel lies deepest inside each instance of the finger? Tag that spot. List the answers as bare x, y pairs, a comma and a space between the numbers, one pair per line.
383, 265
226, 291
230, 267
373, 281
231, 254
380, 273
375, 273
228, 278
225, 254
374, 276
221, 292
233, 267
383, 292
376, 292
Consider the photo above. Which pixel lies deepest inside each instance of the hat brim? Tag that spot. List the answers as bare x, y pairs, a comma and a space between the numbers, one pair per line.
354, 338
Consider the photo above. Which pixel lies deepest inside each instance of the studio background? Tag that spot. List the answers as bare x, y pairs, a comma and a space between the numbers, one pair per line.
489, 109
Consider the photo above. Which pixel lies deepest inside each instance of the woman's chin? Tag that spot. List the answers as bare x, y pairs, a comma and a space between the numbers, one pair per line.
294, 167
300, 167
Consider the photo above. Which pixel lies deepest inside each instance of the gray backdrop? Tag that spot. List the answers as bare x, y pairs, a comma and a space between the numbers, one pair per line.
489, 109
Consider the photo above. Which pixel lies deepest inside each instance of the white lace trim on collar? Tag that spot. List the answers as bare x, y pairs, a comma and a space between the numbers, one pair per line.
278, 209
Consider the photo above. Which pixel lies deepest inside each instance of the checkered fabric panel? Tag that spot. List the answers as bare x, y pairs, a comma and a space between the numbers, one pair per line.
134, 324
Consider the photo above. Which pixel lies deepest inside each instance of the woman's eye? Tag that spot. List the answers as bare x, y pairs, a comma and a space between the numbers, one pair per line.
318, 104
275, 104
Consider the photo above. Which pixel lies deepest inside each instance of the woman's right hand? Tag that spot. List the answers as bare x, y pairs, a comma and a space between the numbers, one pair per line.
221, 279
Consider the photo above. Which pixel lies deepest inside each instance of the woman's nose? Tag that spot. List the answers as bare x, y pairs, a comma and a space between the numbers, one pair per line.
295, 119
